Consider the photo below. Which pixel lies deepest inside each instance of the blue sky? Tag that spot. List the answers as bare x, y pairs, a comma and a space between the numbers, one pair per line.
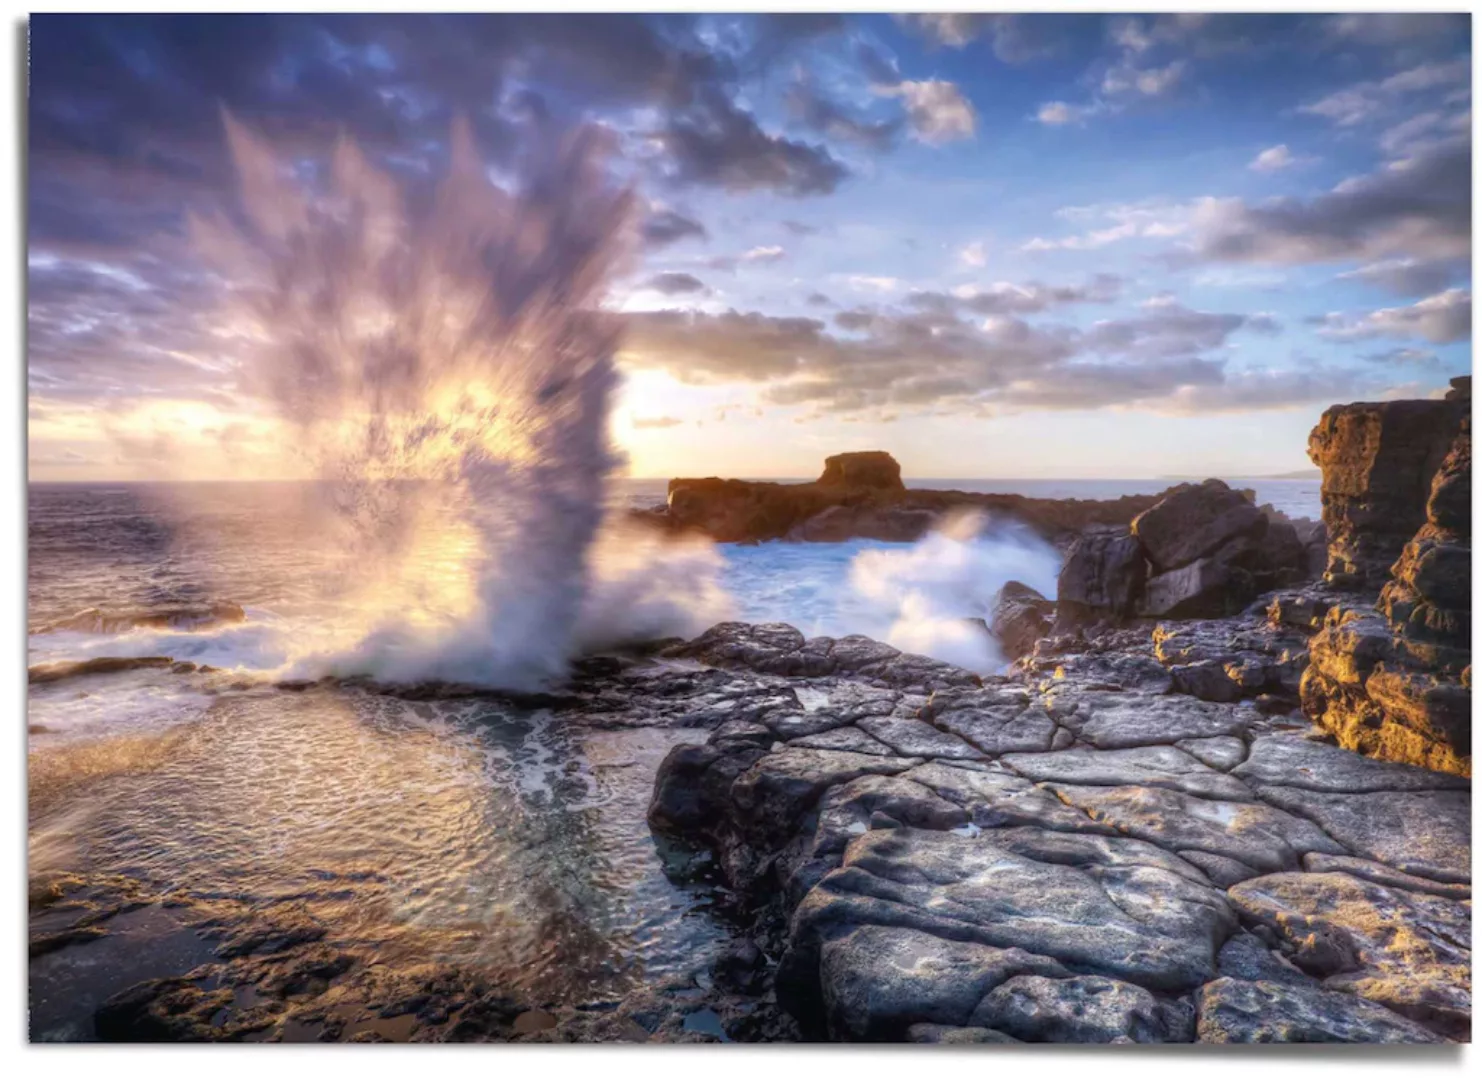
1066, 245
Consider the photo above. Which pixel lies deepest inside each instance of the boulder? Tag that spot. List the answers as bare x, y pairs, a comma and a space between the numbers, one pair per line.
1021, 616
1206, 588
863, 468
1195, 521
1103, 576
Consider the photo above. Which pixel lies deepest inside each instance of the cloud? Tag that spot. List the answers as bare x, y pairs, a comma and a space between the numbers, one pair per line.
1440, 319
939, 354
643, 423
1275, 159
1027, 299
1015, 39
767, 254
1385, 29
1059, 113
936, 111
1375, 97
818, 299
974, 254
664, 227
1410, 277
830, 119
675, 284
798, 228
1419, 207
717, 144
1151, 218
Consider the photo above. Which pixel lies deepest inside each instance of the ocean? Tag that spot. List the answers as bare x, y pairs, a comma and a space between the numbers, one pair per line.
421, 830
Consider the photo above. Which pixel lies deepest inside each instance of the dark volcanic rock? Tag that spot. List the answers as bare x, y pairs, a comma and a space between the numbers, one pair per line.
1021, 616
1062, 854
1103, 575
1194, 521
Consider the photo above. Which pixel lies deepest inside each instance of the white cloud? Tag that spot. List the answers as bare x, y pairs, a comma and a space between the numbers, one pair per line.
1057, 113
936, 110
1274, 159
1440, 319
974, 254
770, 253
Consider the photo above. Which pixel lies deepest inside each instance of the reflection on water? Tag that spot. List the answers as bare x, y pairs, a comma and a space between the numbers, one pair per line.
458, 832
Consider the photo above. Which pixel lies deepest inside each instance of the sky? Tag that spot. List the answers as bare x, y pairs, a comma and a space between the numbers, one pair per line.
993, 245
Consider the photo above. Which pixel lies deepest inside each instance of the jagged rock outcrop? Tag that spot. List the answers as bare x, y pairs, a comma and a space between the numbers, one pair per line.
1021, 616
860, 496
1070, 852
1391, 678
1377, 460
1201, 551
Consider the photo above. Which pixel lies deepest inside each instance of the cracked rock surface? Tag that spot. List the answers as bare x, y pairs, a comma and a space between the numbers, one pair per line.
1080, 850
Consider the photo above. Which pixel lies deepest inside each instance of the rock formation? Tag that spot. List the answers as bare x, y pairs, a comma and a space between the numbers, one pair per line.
1392, 677
1377, 460
1201, 551
860, 496
1077, 851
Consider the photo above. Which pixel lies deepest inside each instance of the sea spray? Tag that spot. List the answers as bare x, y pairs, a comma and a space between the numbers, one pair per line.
445, 364
920, 598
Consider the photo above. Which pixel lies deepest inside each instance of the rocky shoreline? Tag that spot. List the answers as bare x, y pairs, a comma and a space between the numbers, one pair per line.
1222, 795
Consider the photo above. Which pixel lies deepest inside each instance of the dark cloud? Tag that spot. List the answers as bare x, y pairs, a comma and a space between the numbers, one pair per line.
675, 284
1440, 319
818, 114
718, 144
664, 227
1411, 277
1419, 208
819, 300
798, 228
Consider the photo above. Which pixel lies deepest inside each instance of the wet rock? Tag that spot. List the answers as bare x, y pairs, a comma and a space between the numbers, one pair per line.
1103, 575
1257, 835
1406, 951
878, 981
1021, 616
1083, 1009
996, 798
1108, 905
1239, 1011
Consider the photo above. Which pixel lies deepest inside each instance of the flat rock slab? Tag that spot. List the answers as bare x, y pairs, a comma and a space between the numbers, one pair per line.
915, 738
1427, 833
1111, 721
1222, 752
1384, 875
1083, 1009
1260, 836
1143, 766
848, 738
881, 980
999, 729
1407, 951
1104, 905
997, 798
1237, 1011
1293, 761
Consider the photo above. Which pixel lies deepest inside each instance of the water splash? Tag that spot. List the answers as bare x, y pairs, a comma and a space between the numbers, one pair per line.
445, 363
922, 597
